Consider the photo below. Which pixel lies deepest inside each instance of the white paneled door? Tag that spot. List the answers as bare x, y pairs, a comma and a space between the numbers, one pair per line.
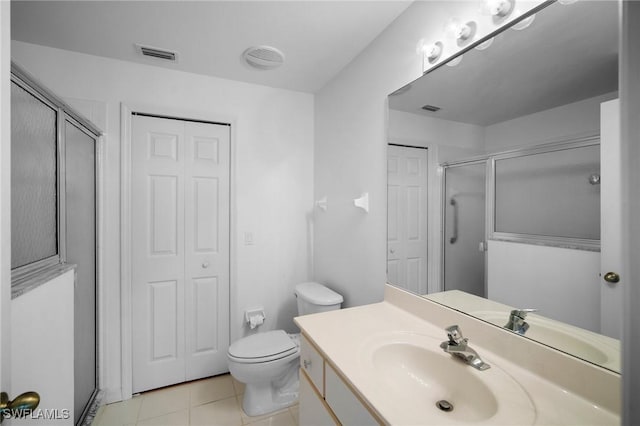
180, 250
407, 217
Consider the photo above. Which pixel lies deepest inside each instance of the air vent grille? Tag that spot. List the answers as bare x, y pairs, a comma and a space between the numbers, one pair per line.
263, 57
157, 53
431, 108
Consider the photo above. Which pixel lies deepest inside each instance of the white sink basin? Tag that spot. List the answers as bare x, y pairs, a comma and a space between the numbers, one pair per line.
573, 340
419, 374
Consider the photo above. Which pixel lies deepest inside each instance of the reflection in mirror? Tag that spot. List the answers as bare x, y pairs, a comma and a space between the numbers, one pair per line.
512, 214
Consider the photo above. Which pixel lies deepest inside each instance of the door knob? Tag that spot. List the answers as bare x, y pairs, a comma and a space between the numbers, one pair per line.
611, 277
205, 264
20, 406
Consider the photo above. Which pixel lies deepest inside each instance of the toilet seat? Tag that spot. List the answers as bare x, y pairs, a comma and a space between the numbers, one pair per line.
263, 347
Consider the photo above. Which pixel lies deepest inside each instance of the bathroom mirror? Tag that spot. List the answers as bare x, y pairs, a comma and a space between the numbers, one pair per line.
494, 163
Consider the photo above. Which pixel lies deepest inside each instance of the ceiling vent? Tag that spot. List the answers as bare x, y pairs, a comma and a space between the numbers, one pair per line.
431, 108
263, 57
157, 53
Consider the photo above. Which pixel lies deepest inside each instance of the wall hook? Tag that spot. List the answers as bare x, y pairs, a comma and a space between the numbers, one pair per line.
362, 202
322, 204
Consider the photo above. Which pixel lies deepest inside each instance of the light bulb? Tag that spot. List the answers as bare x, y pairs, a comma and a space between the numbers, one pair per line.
463, 32
433, 51
499, 8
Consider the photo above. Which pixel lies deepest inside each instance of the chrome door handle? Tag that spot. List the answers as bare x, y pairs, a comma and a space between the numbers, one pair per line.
454, 205
612, 277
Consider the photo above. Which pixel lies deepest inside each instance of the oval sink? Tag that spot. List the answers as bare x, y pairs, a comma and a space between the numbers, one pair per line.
427, 382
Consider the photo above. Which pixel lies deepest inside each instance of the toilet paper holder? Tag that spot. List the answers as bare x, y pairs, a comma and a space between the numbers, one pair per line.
254, 317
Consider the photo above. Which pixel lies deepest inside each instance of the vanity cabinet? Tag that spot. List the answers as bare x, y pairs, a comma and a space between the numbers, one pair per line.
325, 399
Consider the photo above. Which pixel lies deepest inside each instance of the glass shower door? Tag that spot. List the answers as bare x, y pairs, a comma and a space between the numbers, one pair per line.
465, 227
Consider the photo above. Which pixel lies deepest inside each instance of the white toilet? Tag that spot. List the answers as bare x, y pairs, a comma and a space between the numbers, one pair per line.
268, 362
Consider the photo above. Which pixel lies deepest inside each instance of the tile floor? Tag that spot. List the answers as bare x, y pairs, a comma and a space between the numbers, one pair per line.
216, 401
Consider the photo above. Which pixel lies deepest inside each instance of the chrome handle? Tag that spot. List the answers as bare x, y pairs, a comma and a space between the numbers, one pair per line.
20, 406
612, 277
522, 313
205, 265
454, 237
306, 363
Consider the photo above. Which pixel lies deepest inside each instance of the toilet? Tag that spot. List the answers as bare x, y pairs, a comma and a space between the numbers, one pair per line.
268, 362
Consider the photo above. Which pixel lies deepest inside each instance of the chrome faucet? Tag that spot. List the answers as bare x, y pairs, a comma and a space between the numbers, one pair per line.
457, 346
516, 322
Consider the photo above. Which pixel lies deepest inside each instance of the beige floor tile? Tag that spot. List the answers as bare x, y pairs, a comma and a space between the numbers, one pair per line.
282, 419
210, 390
119, 413
238, 386
179, 418
295, 412
164, 401
220, 413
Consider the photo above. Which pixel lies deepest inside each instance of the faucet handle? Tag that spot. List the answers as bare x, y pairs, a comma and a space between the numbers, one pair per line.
522, 313
455, 335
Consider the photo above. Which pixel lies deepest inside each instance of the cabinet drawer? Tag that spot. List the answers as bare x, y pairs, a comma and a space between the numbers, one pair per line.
345, 405
312, 363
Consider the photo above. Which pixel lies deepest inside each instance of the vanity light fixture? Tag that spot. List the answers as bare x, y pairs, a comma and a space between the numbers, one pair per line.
433, 52
499, 8
460, 31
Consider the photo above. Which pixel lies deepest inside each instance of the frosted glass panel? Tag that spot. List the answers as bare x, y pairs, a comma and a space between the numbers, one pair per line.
34, 225
549, 194
464, 228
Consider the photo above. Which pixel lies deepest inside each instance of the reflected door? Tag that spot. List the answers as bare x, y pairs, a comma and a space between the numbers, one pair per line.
407, 218
465, 228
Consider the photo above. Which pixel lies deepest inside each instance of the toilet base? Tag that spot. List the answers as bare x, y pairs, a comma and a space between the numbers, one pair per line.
264, 398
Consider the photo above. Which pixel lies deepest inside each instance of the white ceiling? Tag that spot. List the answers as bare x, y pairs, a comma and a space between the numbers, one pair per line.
318, 38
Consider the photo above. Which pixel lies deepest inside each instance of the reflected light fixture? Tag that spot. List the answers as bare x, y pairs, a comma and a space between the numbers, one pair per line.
485, 44
524, 23
565, 2
454, 62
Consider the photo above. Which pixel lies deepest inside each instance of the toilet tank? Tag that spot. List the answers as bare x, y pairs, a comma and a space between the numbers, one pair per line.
314, 297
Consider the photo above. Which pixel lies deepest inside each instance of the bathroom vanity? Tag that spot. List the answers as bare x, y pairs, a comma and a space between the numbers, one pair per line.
383, 364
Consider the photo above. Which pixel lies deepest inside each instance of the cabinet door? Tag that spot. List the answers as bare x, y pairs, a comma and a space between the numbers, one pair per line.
345, 405
313, 411
313, 364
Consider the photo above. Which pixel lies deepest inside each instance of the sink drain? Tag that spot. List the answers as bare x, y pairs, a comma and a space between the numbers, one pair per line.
444, 405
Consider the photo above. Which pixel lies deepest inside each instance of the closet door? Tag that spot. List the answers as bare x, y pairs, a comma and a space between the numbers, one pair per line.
180, 250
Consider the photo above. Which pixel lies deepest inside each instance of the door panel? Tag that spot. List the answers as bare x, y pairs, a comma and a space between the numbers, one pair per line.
465, 228
407, 218
180, 245
80, 190
207, 248
157, 252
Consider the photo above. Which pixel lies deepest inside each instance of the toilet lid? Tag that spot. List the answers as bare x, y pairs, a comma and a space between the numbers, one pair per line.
263, 345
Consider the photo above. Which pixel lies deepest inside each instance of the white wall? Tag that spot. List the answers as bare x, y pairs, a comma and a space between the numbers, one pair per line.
273, 149
350, 146
563, 122
42, 348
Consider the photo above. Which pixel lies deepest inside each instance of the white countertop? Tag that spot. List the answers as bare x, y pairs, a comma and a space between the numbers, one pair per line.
343, 338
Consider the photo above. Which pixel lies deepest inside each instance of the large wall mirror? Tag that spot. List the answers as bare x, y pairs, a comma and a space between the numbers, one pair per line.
503, 187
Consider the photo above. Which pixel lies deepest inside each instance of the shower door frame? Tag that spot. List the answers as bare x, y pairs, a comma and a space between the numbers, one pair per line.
591, 139
480, 159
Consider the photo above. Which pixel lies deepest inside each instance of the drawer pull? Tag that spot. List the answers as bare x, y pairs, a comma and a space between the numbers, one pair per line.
306, 363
